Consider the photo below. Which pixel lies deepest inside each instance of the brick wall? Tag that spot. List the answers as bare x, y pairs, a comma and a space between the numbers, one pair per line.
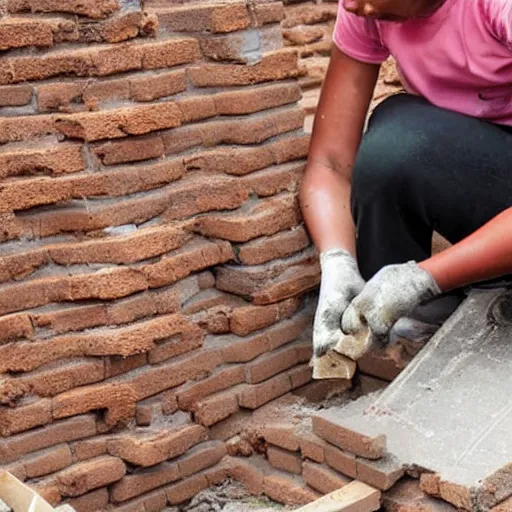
154, 269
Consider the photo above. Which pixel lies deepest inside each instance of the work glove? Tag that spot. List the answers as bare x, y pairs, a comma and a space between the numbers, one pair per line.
340, 283
391, 294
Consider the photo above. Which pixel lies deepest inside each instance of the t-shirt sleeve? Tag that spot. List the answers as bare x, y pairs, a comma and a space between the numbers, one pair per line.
359, 37
498, 14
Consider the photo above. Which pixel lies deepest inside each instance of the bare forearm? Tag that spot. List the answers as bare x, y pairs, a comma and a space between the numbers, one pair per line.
486, 254
325, 201
339, 122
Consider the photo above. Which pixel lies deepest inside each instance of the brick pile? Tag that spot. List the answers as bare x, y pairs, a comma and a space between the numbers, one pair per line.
154, 268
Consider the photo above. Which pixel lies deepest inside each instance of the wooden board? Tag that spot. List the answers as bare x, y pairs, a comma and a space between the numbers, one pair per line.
354, 497
20, 497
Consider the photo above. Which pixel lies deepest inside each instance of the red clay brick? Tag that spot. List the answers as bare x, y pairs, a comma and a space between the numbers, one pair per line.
429, 483
200, 18
271, 364
239, 161
272, 12
87, 476
300, 375
153, 87
15, 96
354, 442
144, 481
14, 327
152, 450
89, 448
382, 474
118, 399
312, 447
59, 159
186, 489
287, 490
168, 375
117, 365
284, 460
21, 32
385, 364
191, 338
59, 96
276, 66
171, 52
196, 108
222, 379
57, 432
262, 218
216, 407
94, 9
194, 256
48, 491
255, 100
274, 247
130, 150
322, 479
458, 495
371, 384
201, 457
96, 93
47, 383
282, 436
113, 124
304, 15
48, 461
248, 319
256, 395
25, 417
95, 500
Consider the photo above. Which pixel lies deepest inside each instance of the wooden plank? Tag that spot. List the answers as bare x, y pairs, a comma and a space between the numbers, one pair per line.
19, 496
354, 497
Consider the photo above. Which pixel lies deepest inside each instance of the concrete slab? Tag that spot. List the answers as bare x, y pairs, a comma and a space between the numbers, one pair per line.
450, 411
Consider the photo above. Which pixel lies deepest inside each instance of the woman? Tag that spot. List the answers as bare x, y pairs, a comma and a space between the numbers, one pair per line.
437, 158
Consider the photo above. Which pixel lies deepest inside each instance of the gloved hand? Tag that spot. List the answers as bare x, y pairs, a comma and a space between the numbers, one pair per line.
391, 294
340, 283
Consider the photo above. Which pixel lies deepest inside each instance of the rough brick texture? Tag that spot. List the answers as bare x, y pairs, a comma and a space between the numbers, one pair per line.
154, 261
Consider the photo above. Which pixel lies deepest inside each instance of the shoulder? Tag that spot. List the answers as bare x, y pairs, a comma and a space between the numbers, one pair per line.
497, 15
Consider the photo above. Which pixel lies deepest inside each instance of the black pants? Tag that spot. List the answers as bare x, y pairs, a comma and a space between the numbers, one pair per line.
421, 168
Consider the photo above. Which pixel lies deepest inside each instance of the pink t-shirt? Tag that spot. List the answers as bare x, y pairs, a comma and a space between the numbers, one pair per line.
460, 58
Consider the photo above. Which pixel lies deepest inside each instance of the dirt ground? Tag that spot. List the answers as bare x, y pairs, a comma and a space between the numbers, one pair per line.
229, 497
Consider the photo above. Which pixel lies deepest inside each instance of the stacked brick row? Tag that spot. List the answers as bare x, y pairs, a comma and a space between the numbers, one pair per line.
154, 269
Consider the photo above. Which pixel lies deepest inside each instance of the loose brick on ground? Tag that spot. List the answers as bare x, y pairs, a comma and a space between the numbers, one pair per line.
148, 451
326, 427
286, 490
281, 435
340, 460
322, 479
284, 460
382, 474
